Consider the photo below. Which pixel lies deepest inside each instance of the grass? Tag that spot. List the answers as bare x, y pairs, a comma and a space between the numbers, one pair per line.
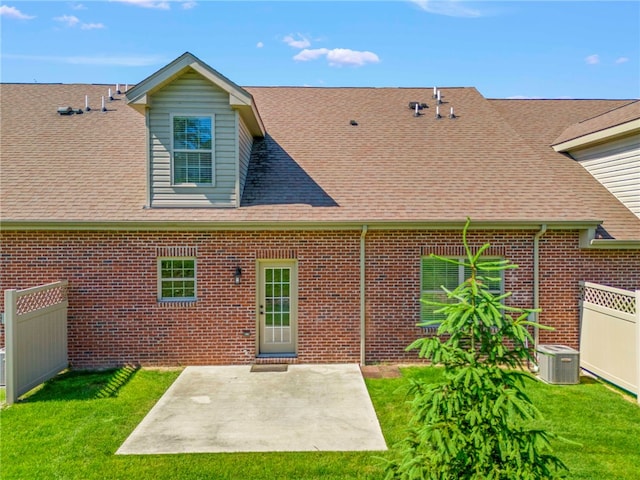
70, 429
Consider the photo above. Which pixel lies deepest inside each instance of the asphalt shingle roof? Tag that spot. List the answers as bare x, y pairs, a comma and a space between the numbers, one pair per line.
492, 162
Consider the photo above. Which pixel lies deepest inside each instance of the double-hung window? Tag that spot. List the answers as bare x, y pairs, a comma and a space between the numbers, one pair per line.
436, 273
177, 279
192, 150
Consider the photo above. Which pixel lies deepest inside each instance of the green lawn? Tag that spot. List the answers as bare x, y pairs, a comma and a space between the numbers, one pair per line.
71, 428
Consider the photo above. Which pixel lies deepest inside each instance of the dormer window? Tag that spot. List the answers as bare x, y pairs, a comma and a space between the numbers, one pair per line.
192, 150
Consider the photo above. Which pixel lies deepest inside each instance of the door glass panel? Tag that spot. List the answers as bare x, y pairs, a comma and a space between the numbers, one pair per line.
277, 305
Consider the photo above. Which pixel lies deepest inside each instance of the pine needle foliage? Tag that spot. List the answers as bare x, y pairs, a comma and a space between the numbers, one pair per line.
478, 423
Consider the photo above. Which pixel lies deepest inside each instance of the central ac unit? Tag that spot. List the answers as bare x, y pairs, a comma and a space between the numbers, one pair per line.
559, 364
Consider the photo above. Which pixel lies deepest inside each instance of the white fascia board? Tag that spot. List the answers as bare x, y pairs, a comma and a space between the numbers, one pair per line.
599, 136
237, 94
159, 225
158, 79
139, 97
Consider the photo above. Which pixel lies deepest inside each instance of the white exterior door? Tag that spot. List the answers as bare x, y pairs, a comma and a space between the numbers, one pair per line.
277, 307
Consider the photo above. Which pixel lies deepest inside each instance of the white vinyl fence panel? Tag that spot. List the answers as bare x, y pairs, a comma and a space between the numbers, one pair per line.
35, 336
610, 334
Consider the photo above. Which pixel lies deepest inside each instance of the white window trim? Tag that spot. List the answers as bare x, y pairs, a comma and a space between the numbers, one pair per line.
212, 151
160, 280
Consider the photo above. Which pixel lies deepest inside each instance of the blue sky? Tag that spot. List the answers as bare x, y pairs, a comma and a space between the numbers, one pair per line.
513, 49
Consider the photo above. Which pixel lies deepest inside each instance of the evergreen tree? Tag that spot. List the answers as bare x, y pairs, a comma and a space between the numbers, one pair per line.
477, 423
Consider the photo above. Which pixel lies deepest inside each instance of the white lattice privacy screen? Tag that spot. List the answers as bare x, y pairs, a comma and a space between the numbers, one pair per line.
610, 334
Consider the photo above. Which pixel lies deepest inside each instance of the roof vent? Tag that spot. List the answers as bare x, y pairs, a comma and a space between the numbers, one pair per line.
69, 111
413, 105
354, 123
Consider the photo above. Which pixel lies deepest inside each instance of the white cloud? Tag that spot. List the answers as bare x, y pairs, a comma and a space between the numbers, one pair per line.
259, 45
69, 20
99, 60
344, 56
450, 8
189, 5
622, 60
310, 54
72, 21
338, 57
13, 12
78, 6
92, 26
161, 5
592, 59
300, 42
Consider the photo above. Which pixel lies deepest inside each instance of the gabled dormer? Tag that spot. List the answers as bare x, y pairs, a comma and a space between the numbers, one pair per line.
200, 128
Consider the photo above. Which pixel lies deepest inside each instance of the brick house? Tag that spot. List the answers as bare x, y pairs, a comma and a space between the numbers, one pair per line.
199, 222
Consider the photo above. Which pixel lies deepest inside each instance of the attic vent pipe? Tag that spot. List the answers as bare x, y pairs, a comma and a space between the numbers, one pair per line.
118, 89
87, 108
416, 107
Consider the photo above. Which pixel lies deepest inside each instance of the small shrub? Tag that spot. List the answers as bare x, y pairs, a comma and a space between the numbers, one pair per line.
478, 423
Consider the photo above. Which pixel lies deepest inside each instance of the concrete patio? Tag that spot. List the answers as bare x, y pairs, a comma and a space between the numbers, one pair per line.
272, 408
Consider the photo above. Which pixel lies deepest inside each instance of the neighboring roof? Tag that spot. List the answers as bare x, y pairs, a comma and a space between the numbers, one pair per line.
541, 121
620, 121
313, 167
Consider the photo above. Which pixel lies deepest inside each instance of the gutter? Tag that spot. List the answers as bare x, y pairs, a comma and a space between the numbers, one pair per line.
588, 240
614, 244
363, 292
536, 283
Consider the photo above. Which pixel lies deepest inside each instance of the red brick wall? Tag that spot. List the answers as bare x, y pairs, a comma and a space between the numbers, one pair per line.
563, 265
393, 282
114, 316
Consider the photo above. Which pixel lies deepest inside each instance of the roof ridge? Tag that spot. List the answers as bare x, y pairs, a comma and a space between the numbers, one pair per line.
609, 111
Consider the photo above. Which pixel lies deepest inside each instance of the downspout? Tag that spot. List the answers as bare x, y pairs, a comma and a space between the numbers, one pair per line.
536, 285
363, 332
149, 161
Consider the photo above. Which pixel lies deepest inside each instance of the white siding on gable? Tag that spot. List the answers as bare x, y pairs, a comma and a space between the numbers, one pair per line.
246, 143
616, 165
192, 94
